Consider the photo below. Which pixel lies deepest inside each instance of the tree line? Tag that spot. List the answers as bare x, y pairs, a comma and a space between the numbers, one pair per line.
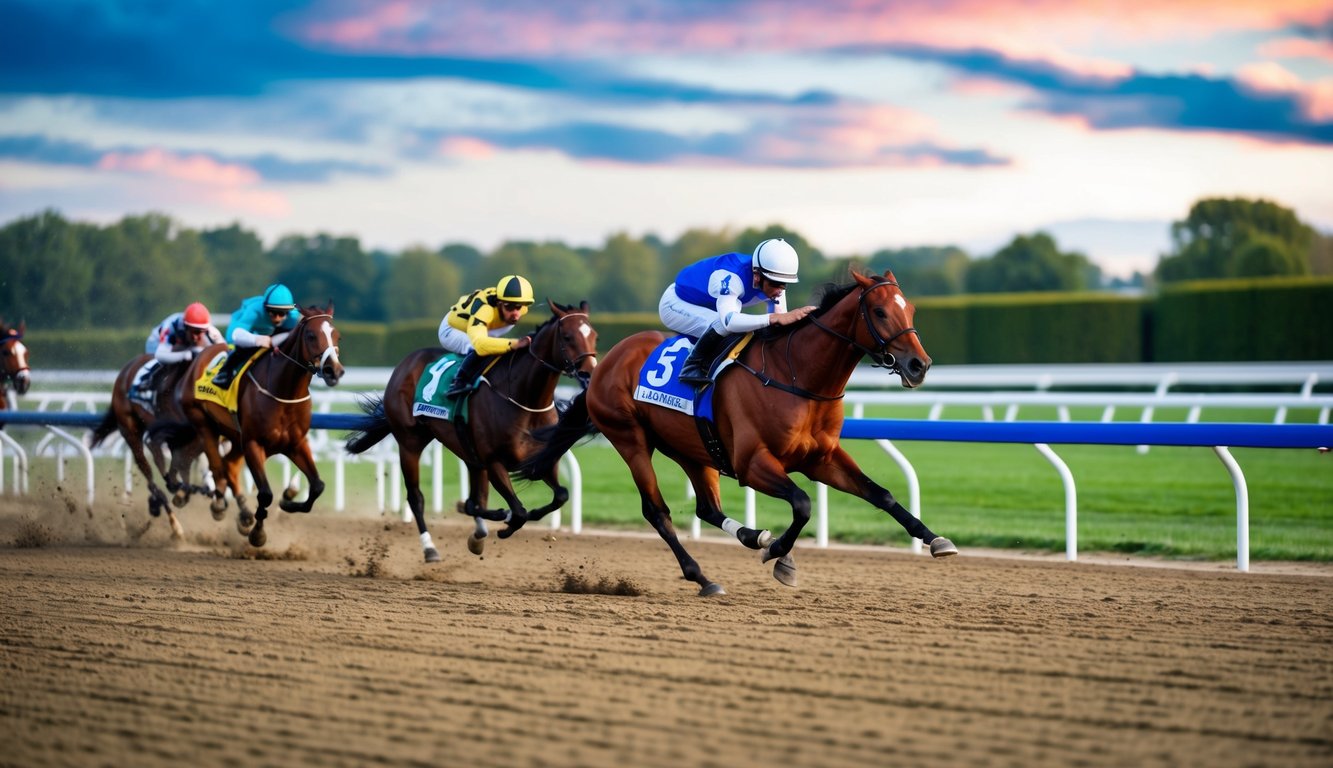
57, 273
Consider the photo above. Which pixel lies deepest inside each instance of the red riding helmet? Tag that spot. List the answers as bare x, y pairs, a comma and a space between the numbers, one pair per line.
196, 316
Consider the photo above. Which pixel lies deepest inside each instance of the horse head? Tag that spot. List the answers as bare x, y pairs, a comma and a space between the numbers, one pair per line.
567, 342
14, 357
886, 331
313, 344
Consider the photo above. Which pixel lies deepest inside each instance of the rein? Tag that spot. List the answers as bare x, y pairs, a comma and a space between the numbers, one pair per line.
569, 367
311, 367
880, 356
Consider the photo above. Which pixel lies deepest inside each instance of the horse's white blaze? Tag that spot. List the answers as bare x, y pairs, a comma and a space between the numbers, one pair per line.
585, 329
329, 350
900, 301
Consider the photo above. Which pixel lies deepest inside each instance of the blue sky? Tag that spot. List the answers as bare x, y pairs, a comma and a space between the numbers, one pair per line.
860, 124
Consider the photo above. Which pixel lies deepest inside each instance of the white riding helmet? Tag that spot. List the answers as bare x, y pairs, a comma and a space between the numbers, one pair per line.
776, 260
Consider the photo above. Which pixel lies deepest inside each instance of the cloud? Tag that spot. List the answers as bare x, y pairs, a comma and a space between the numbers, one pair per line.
1178, 102
47, 151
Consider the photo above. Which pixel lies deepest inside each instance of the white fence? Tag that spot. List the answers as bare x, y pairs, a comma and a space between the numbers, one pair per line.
945, 390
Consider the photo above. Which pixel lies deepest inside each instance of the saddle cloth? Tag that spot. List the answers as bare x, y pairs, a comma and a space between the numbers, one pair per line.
204, 389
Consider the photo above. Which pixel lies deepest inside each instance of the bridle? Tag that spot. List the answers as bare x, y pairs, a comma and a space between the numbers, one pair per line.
880, 356
312, 366
12, 340
569, 365
316, 363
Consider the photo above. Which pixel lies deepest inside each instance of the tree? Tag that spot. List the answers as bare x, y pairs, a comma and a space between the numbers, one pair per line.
556, 271
1032, 263
924, 270
45, 276
420, 284
628, 278
239, 264
1235, 237
325, 267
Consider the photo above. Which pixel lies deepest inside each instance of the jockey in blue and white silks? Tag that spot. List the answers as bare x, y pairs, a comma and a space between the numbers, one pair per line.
261, 321
706, 300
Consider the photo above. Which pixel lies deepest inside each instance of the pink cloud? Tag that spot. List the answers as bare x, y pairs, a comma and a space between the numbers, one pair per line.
196, 169
1269, 77
1297, 48
465, 147
199, 178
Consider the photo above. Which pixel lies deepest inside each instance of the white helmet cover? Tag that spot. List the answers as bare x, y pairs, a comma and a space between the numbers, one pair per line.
776, 260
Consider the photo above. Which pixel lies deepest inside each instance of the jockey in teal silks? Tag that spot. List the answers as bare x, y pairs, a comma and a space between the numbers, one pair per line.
261, 321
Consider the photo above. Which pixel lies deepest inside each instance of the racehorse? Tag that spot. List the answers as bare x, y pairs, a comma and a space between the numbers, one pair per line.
518, 397
272, 417
132, 417
13, 362
779, 411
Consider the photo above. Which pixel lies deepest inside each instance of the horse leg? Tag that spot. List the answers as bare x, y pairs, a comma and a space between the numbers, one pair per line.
218, 467
842, 472
409, 460
157, 500
559, 495
517, 515
305, 462
640, 461
479, 492
765, 474
708, 508
255, 456
245, 518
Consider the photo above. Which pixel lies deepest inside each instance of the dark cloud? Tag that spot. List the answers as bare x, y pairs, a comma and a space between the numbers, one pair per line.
1138, 100
39, 149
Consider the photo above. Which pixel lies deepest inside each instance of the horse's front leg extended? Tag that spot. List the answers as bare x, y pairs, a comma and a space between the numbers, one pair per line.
842, 472
255, 456
213, 454
305, 462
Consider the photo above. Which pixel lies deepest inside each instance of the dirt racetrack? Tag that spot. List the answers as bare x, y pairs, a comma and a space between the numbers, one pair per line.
338, 647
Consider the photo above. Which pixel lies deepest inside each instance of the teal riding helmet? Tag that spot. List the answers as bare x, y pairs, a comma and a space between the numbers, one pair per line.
278, 296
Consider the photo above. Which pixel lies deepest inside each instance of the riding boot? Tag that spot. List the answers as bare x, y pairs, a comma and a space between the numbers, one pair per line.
467, 374
234, 361
695, 371
148, 386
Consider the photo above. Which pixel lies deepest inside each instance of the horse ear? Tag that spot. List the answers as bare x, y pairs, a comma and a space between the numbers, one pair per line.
329, 308
888, 273
583, 305
864, 281
23, 324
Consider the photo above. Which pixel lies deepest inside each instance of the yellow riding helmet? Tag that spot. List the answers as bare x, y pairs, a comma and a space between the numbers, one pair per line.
514, 289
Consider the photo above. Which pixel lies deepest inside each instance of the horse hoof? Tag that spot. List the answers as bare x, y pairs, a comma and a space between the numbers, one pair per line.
712, 589
180, 499
476, 544
288, 493
258, 537
218, 507
432, 555
244, 522
942, 547
784, 570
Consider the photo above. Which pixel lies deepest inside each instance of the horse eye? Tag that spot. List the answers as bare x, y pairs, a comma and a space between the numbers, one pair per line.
880, 313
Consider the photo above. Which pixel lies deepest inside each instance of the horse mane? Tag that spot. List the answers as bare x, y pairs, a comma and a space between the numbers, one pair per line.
826, 297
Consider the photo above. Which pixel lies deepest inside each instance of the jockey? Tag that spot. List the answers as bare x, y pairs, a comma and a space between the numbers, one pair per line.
261, 321
182, 335
706, 300
475, 322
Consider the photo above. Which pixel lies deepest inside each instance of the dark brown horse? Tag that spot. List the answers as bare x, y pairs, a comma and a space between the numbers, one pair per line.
13, 362
778, 412
518, 397
272, 417
133, 416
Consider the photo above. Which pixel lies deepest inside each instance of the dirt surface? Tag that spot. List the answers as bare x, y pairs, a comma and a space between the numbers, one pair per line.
337, 646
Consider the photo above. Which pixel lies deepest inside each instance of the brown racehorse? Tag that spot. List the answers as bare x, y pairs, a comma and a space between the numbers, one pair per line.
778, 412
132, 417
272, 417
13, 362
518, 397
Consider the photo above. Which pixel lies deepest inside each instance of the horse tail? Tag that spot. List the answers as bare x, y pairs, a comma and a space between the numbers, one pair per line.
372, 406
176, 434
107, 426
574, 425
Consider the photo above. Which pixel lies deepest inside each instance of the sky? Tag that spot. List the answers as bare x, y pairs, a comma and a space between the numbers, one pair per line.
859, 124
